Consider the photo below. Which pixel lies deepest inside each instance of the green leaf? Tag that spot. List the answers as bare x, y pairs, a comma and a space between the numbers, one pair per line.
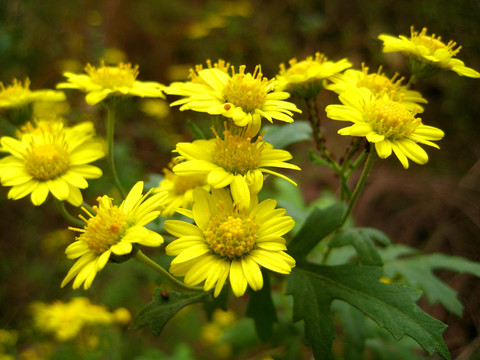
320, 223
281, 136
392, 306
362, 240
164, 305
196, 131
418, 271
261, 309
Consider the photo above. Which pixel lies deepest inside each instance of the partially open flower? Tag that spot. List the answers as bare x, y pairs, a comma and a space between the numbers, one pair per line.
103, 81
427, 53
112, 230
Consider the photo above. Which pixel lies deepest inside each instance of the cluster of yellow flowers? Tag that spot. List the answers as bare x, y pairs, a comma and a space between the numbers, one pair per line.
65, 320
215, 182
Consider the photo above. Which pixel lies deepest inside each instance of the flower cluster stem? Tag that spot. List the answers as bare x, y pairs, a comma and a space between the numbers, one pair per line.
144, 259
360, 184
110, 141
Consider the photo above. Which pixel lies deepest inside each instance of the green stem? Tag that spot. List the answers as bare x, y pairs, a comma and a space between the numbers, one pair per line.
61, 208
110, 142
144, 259
318, 134
360, 184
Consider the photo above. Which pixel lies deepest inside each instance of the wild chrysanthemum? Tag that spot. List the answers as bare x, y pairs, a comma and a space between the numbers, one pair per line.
105, 81
17, 95
228, 241
306, 78
67, 319
49, 157
179, 189
243, 97
378, 84
386, 123
427, 53
233, 160
112, 230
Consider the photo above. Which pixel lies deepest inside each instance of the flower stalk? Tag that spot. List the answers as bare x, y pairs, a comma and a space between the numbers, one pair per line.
110, 142
144, 259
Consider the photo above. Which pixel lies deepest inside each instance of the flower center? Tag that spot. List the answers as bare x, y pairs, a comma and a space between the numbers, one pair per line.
246, 90
122, 75
433, 42
105, 229
392, 119
183, 183
231, 236
236, 153
16, 92
46, 161
376, 83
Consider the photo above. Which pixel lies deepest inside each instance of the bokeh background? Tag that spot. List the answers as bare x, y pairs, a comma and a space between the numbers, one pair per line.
435, 207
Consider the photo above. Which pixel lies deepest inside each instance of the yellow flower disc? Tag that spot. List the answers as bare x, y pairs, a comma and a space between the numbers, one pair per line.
46, 161
231, 236
105, 229
392, 119
122, 75
247, 91
237, 154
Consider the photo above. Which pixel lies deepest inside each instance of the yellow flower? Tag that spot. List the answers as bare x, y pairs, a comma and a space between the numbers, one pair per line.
66, 319
179, 189
105, 81
306, 78
19, 95
243, 97
386, 123
112, 230
234, 160
427, 53
378, 84
228, 241
49, 157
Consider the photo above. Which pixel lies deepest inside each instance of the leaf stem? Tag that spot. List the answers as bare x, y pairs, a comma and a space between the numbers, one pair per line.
110, 142
144, 259
372, 155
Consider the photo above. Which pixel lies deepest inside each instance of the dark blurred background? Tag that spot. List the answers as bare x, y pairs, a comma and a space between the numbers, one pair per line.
435, 207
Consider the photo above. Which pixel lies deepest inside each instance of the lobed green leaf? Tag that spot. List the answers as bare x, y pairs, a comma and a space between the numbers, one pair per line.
163, 306
391, 306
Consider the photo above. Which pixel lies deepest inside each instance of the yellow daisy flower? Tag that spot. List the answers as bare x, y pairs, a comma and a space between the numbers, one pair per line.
232, 160
227, 241
112, 230
424, 50
243, 97
49, 157
66, 319
105, 81
179, 189
18, 95
306, 78
386, 123
378, 84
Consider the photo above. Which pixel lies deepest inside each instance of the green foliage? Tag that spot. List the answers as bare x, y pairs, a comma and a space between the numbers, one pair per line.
392, 306
362, 239
417, 271
319, 224
164, 305
262, 310
281, 136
